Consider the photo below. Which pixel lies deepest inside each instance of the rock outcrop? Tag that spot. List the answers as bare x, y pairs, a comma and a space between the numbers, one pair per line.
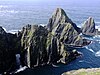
8, 49
64, 29
33, 42
89, 27
41, 45
59, 17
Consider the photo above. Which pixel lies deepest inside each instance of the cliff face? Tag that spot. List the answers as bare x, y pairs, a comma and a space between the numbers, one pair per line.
8, 49
33, 42
89, 27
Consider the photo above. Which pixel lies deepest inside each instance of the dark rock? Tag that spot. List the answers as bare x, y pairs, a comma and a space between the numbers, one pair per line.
8, 49
33, 42
89, 27
71, 56
2, 31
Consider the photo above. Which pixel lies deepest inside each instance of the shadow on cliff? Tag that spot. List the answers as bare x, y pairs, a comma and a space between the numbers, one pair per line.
88, 60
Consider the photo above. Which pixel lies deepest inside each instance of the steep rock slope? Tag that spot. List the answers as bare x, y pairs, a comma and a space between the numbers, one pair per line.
59, 17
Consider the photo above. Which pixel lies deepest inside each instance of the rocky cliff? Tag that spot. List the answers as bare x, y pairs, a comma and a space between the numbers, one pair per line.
59, 16
40, 45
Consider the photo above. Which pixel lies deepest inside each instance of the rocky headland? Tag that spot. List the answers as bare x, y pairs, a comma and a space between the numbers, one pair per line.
44, 45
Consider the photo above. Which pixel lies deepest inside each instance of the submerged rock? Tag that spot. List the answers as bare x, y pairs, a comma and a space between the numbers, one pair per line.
89, 27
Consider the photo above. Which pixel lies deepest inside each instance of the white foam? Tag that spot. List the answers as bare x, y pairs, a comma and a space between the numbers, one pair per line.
97, 54
9, 11
4, 29
86, 47
97, 27
21, 69
3, 6
13, 31
43, 25
54, 65
81, 61
80, 34
90, 49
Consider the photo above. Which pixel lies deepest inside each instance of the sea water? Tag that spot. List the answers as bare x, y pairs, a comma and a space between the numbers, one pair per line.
15, 15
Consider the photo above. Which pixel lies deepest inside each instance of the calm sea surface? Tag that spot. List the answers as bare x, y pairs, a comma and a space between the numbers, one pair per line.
14, 15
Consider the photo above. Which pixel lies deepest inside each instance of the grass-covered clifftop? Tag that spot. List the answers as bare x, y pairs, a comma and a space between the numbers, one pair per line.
90, 71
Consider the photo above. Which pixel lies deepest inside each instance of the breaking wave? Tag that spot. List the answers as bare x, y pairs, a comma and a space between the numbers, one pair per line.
13, 31
89, 49
97, 54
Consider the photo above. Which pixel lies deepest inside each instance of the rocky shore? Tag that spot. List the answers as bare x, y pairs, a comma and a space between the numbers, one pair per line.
44, 45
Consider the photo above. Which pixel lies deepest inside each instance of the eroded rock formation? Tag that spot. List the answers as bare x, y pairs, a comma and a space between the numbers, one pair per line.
42, 45
89, 27
59, 17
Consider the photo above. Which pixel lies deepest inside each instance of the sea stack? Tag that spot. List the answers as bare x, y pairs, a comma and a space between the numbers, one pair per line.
89, 27
47, 45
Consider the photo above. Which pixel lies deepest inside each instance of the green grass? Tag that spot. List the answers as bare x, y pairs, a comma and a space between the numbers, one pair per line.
93, 71
88, 73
